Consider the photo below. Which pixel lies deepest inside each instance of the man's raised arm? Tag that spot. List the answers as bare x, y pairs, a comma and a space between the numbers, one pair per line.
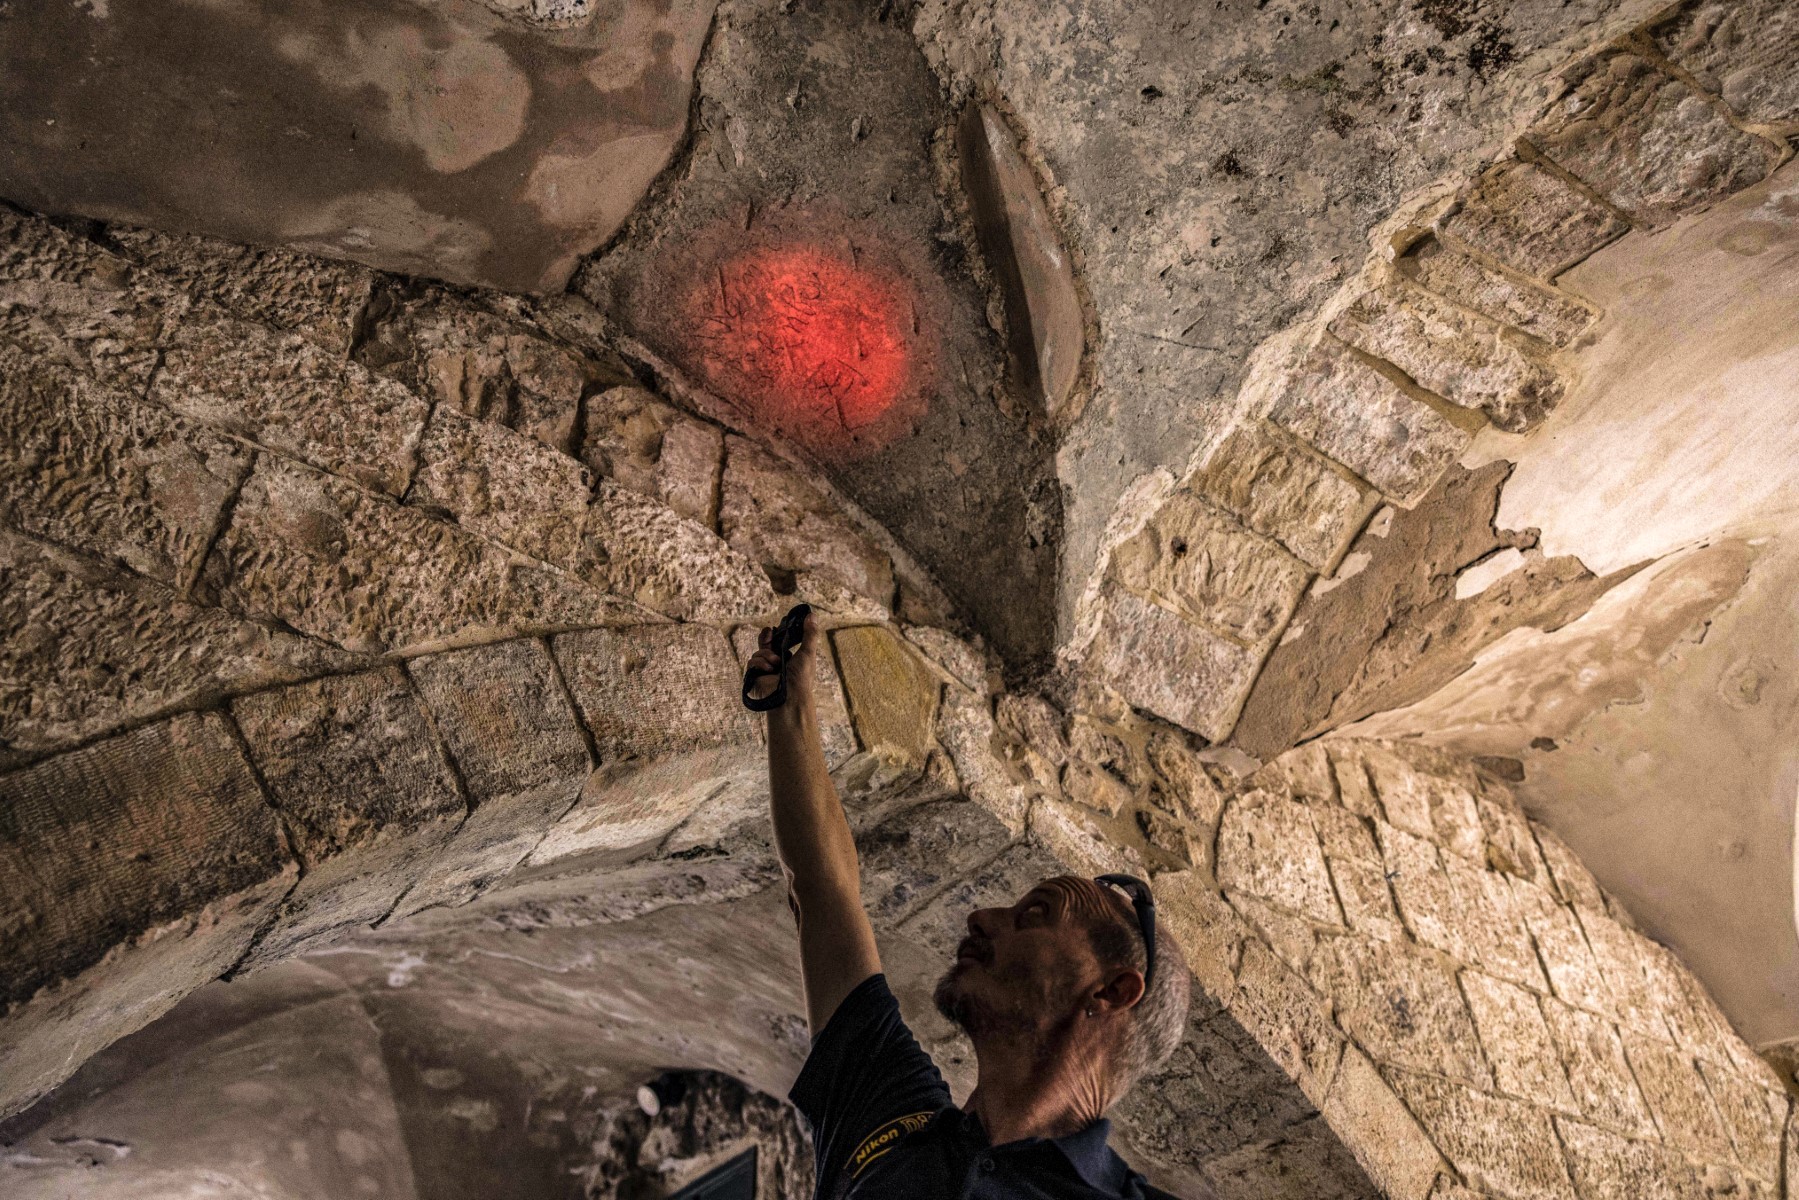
812, 838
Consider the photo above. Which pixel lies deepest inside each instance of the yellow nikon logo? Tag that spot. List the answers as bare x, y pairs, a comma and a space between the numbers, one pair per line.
885, 1138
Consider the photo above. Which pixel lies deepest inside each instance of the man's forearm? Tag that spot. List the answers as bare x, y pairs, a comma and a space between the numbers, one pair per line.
812, 835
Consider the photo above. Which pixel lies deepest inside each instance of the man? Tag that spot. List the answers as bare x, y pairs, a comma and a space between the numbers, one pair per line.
1068, 996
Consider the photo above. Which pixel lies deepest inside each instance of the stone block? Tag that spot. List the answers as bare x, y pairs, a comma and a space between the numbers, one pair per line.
336, 562
103, 845
549, 380
1359, 417
1746, 51
1421, 886
1288, 1018
508, 487
1526, 1064
908, 857
654, 691
364, 793
318, 297
1567, 959
961, 662
1401, 1004
350, 760
1387, 1140
1526, 218
1750, 1118
1676, 1095
796, 534
108, 475
630, 802
1354, 789
1031, 729
1172, 668
1593, 1057
1465, 359
671, 565
1573, 882
1283, 489
968, 733
892, 695
1647, 142
284, 391
1503, 1147
1608, 1167
1426, 803
1267, 847
999, 882
1358, 871
1292, 938
63, 299
523, 759
1200, 564
1543, 313
85, 649
1511, 847
1492, 925
1209, 930
834, 727
1087, 842
1689, 1013
1620, 956
638, 441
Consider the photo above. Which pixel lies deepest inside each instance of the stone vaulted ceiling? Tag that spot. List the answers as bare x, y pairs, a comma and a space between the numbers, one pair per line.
1335, 460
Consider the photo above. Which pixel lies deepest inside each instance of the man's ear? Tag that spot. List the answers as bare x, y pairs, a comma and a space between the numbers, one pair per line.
1124, 990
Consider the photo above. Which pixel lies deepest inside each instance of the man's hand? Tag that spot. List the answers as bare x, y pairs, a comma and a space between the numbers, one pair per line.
812, 837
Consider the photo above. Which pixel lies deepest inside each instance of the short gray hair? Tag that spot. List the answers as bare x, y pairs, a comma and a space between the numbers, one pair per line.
1159, 1020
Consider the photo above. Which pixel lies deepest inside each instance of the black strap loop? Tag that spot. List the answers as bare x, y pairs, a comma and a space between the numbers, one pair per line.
788, 636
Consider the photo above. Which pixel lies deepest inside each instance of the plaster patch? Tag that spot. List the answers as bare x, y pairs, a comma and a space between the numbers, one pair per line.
1488, 571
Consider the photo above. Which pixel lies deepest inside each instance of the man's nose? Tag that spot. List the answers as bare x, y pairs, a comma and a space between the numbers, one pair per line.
980, 922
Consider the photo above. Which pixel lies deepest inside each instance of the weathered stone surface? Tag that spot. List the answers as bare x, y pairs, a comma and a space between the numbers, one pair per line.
1019, 240
1746, 51
1358, 872
313, 296
637, 440
108, 475
1542, 312
1462, 358
1197, 562
508, 487
333, 561
797, 536
631, 802
1267, 847
910, 856
350, 760
1647, 142
671, 565
1388, 1141
284, 391
1500, 1146
101, 845
1750, 1117
1573, 882
1363, 420
1511, 847
962, 662
1567, 960
998, 882
892, 696
1402, 1005
1429, 804
653, 691
1593, 1057
1172, 668
1676, 1094
66, 300
1608, 1167
976, 745
1525, 1062
1620, 958
521, 753
1290, 1020
85, 649
1282, 488
1520, 215
364, 793
1427, 899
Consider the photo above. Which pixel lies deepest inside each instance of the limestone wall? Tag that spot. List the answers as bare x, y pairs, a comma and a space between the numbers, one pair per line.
1454, 325
1465, 1008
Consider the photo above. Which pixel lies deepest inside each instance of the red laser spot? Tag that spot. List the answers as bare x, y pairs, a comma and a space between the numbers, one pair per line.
819, 347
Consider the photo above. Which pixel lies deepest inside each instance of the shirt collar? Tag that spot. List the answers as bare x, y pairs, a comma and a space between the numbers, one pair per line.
1087, 1150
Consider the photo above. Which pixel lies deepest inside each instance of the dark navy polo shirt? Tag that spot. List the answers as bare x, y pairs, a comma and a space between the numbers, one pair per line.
883, 1124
